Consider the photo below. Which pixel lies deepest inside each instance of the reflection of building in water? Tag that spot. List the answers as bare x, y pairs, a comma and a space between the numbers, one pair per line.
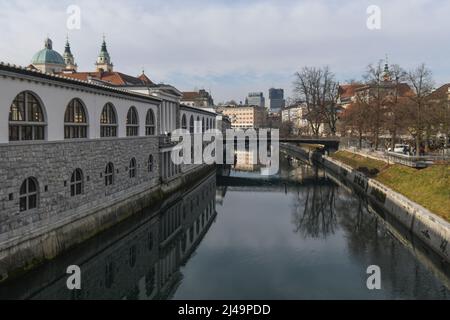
220, 194
292, 168
141, 264
221, 191
246, 161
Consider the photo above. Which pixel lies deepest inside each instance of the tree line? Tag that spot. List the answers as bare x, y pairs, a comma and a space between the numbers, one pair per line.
388, 102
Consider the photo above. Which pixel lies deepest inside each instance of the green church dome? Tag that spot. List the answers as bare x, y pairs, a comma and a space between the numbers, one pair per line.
48, 55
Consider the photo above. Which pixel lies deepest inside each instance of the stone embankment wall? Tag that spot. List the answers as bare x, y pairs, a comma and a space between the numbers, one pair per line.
62, 220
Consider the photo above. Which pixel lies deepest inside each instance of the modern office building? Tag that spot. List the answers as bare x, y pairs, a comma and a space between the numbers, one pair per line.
256, 99
276, 100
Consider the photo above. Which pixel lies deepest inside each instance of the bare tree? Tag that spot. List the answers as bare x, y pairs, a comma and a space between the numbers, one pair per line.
286, 129
394, 118
332, 110
317, 88
356, 119
375, 96
416, 113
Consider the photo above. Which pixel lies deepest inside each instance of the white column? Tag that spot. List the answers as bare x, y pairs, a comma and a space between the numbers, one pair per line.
167, 117
172, 127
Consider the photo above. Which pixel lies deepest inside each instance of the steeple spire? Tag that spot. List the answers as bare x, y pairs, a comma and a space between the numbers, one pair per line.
68, 57
67, 48
104, 60
386, 72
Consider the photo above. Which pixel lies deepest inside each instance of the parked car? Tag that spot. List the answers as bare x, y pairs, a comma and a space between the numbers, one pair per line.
401, 148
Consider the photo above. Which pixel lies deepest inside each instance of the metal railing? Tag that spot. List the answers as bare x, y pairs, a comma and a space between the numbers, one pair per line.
407, 160
400, 158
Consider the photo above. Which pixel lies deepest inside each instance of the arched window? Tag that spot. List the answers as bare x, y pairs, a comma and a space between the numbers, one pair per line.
109, 174
26, 118
150, 163
75, 121
198, 124
132, 123
207, 124
203, 124
76, 183
28, 199
132, 168
150, 123
191, 125
108, 121
184, 122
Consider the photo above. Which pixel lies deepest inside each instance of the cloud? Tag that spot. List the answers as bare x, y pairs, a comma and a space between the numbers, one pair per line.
232, 47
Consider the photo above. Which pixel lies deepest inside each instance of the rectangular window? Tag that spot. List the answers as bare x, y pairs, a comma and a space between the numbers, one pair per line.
150, 131
66, 132
132, 131
27, 133
83, 132
108, 131
14, 133
38, 133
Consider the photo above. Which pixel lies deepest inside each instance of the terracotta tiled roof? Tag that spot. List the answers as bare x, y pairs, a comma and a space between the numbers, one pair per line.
115, 78
348, 90
441, 92
143, 77
191, 95
404, 90
70, 79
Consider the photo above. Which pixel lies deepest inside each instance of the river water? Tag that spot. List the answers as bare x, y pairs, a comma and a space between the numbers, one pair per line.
239, 235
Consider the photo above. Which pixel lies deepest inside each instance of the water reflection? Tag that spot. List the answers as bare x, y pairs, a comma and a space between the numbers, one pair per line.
313, 210
301, 234
140, 259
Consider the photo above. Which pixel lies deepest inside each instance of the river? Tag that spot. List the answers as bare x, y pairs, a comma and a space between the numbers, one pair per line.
238, 235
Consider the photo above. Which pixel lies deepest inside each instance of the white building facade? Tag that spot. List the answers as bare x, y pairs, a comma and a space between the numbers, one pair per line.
71, 150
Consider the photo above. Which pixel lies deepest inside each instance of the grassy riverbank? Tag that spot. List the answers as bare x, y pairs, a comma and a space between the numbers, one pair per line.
428, 187
357, 161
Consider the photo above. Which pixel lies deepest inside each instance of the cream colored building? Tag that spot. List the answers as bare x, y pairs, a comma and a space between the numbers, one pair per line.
245, 117
296, 115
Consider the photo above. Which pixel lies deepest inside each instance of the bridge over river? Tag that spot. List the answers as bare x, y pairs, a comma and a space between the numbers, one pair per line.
328, 143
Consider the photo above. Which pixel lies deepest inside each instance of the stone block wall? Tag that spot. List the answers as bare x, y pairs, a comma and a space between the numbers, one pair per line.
52, 164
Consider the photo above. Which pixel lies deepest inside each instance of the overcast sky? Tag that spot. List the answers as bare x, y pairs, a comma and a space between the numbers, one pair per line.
232, 47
